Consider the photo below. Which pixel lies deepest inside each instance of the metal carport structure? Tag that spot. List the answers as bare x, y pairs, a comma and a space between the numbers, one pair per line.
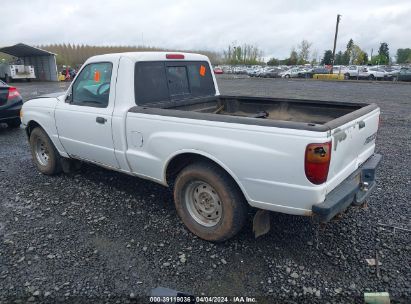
44, 62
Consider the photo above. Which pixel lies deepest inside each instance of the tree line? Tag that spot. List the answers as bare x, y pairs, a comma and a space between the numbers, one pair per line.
75, 55
353, 54
245, 54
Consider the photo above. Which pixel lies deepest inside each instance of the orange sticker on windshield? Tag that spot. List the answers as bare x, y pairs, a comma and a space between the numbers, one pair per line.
202, 70
96, 76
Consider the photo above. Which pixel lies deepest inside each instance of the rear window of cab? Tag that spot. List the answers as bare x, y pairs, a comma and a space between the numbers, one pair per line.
160, 81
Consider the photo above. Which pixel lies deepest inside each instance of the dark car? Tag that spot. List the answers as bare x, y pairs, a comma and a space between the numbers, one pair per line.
403, 75
10, 105
311, 72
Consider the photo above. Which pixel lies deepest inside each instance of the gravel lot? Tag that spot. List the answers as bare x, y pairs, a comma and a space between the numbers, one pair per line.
101, 236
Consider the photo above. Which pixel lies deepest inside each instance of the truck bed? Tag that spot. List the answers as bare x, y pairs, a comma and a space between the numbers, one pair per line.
280, 112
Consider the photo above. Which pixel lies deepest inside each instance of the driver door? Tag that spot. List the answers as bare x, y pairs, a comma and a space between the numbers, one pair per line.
83, 120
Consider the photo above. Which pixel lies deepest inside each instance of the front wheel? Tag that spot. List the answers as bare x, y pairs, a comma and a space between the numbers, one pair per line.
209, 202
44, 154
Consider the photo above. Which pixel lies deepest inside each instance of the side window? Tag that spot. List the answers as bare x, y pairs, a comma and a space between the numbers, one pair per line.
150, 82
92, 86
162, 81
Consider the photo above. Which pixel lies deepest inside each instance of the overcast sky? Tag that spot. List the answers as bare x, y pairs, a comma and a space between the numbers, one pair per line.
274, 26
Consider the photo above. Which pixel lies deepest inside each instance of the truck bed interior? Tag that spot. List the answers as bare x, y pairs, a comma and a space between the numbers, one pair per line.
292, 110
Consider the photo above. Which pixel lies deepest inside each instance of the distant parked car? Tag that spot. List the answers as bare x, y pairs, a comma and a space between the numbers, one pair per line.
218, 70
10, 72
404, 74
270, 73
291, 73
351, 72
339, 69
371, 73
10, 105
309, 73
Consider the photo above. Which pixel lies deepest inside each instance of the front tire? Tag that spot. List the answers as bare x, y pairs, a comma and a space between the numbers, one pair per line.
45, 155
209, 202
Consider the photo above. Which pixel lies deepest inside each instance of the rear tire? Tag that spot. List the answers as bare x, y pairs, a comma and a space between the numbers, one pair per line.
371, 77
209, 202
15, 123
45, 155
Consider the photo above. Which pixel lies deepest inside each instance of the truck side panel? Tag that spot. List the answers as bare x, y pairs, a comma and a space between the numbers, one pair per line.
267, 163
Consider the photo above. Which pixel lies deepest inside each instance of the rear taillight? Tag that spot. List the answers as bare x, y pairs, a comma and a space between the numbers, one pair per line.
13, 93
175, 56
317, 162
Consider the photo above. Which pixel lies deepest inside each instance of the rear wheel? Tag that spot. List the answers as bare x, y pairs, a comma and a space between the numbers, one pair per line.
347, 76
209, 202
371, 77
287, 76
45, 155
15, 123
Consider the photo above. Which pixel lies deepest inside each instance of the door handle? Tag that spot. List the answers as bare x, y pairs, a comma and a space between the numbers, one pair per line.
101, 120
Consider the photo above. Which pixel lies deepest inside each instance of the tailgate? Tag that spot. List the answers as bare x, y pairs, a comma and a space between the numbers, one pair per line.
352, 144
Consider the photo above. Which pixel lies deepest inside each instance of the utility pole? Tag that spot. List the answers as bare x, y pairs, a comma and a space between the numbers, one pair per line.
335, 41
371, 55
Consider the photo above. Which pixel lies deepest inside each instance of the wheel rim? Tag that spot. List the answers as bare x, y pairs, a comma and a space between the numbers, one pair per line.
203, 203
42, 153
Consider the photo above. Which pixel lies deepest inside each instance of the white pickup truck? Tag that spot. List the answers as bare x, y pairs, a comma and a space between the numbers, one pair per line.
11, 72
160, 116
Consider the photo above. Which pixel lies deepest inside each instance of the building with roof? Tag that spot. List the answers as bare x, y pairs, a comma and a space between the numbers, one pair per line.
44, 62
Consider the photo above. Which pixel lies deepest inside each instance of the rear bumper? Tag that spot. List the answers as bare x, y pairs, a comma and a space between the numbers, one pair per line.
353, 190
11, 112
